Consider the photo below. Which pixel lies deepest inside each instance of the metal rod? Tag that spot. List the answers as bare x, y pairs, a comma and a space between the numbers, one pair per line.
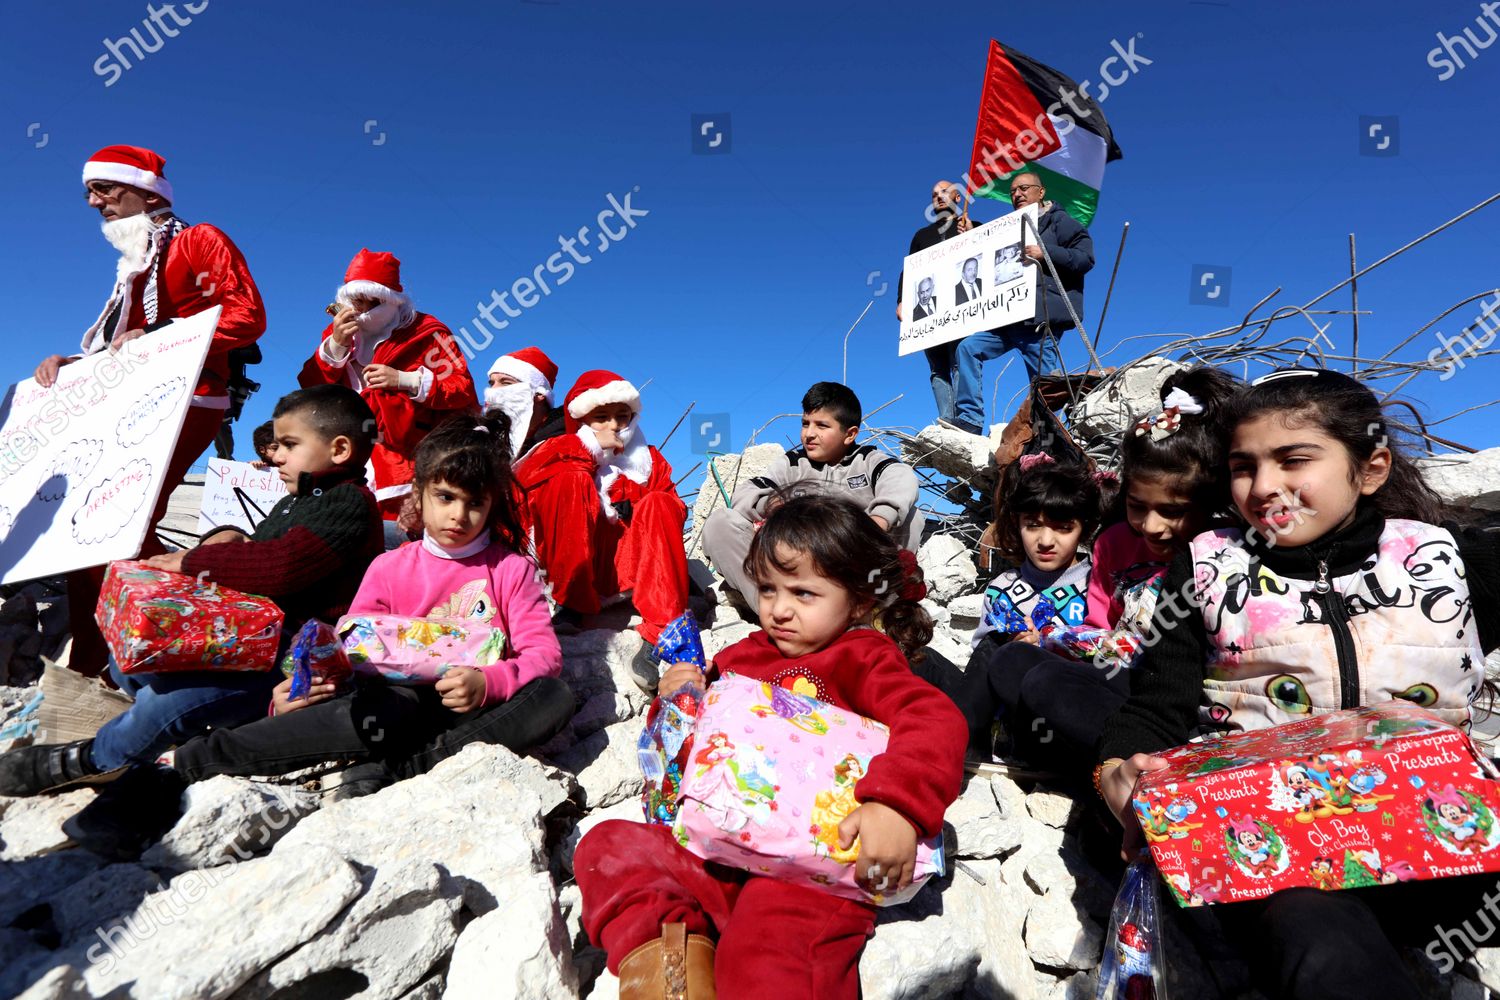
845, 379
1354, 304
1120, 252
677, 425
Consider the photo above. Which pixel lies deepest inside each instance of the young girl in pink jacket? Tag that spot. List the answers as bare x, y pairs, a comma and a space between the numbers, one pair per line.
468, 565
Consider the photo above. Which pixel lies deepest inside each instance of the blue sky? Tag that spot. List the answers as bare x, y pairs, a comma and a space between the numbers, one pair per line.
495, 128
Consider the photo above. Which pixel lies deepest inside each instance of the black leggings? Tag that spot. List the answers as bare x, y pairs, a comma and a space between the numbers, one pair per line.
1055, 708
407, 728
1311, 944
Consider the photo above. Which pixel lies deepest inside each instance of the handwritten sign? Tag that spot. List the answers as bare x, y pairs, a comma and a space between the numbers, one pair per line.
975, 281
237, 493
82, 461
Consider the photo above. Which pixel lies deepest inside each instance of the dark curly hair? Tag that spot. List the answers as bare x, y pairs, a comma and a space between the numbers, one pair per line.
473, 454
845, 546
1058, 491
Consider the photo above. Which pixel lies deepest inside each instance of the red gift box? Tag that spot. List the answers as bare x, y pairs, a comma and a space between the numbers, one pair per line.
155, 621
1361, 797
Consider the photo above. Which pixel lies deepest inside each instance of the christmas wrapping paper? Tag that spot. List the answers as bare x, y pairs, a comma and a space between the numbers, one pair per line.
407, 650
154, 621
315, 653
771, 777
666, 741
1367, 796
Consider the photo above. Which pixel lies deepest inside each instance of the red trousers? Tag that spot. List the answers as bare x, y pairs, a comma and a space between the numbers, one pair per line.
587, 556
89, 655
775, 939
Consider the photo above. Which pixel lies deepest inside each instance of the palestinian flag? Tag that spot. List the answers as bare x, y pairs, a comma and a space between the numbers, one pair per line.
1026, 125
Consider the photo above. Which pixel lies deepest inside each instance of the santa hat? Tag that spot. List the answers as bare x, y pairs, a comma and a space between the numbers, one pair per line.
530, 366
373, 274
133, 165
595, 389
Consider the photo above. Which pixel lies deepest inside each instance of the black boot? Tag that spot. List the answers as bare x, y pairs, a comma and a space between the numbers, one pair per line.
129, 815
35, 769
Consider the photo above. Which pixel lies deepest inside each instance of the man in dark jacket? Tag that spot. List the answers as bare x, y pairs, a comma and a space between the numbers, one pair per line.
947, 223
1072, 252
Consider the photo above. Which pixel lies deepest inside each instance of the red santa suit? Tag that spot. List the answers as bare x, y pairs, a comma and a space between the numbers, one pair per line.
435, 378
185, 270
602, 523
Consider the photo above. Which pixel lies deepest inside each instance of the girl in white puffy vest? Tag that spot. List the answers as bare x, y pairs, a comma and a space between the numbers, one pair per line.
1346, 586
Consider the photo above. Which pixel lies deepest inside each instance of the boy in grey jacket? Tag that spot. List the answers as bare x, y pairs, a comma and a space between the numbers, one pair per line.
828, 461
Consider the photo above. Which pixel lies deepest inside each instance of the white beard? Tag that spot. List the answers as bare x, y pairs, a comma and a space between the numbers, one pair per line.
517, 401
375, 327
132, 237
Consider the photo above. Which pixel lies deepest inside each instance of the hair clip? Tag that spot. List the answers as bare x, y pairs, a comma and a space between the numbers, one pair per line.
1029, 462
481, 427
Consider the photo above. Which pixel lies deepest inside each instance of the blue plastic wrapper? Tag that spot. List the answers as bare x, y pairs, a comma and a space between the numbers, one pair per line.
1132, 968
1005, 619
667, 740
317, 651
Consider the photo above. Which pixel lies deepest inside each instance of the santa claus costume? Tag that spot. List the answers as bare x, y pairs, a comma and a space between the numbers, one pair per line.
434, 379
528, 400
604, 521
167, 270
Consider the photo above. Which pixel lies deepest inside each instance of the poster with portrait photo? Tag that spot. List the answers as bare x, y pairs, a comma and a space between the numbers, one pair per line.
975, 281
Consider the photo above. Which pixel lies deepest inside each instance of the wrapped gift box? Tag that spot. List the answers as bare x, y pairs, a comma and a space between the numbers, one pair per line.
771, 776
1361, 797
155, 621
406, 650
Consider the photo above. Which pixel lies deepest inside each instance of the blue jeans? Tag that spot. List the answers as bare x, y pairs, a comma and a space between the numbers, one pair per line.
172, 708
940, 363
1038, 351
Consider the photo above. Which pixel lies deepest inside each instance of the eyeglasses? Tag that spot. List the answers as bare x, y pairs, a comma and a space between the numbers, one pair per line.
104, 189
1022, 187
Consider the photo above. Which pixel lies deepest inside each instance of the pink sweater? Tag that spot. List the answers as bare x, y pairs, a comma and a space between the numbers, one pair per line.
1123, 568
495, 586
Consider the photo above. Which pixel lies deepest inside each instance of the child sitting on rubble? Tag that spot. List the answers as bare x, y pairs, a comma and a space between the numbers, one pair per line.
308, 555
467, 566
884, 487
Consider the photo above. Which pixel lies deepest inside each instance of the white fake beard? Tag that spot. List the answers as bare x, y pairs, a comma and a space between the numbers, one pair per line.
378, 320
516, 401
132, 238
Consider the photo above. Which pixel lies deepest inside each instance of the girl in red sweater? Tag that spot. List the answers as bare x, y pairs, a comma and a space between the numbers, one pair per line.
839, 616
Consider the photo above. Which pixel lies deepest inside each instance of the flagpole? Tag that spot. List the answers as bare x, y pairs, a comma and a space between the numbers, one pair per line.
1099, 328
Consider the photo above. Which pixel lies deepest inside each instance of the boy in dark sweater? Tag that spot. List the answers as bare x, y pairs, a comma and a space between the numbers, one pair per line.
308, 555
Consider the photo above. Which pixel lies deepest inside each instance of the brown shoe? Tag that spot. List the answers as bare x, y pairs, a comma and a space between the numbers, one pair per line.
676, 966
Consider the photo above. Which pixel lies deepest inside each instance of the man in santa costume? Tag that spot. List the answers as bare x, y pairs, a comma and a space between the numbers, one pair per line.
404, 363
521, 388
603, 513
167, 270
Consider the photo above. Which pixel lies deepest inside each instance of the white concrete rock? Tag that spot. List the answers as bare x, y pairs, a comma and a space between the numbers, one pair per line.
479, 815
980, 828
1060, 934
598, 660
606, 765
100, 899
62, 983
947, 565
228, 819
1078, 986
732, 470
33, 826
603, 709
209, 931
1050, 807
399, 929
520, 950
951, 452
966, 611
1465, 479
1120, 402
724, 636
23, 886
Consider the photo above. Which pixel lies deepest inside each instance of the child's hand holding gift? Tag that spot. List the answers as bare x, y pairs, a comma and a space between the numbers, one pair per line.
171, 562
281, 696
887, 847
1116, 782
677, 677
462, 689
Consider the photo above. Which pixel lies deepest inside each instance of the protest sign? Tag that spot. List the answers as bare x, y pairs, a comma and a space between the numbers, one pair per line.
237, 494
975, 281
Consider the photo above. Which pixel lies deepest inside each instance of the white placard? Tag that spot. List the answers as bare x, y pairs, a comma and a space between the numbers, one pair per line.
975, 281
82, 462
238, 494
